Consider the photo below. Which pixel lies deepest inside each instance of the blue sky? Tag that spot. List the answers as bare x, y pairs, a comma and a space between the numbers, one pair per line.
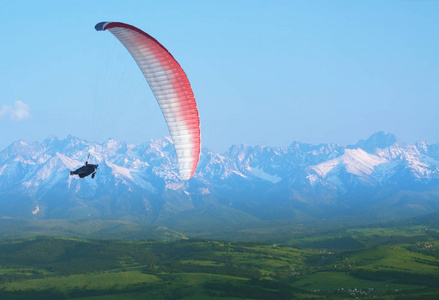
263, 72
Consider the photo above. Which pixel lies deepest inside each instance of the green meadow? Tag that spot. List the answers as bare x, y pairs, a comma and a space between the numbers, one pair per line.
122, 260
381, 263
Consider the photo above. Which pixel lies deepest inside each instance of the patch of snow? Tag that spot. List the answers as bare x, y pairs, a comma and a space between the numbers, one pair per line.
259, 172
228, 172
26, 184
204, 191
78, 187
419, 167
96, 155
71, 164
359, 162
2, 169
241, 157
175, 186
356, 161
42, 159
45, 171
112, 144
137, 163
397, 151
22, 160
120, 171
324, 168
422, 146
313, 178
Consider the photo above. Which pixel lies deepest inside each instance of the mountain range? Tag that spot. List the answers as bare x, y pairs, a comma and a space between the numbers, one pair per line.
379, 178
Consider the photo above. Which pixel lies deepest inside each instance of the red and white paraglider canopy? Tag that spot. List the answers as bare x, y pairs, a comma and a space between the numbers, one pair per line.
171, 88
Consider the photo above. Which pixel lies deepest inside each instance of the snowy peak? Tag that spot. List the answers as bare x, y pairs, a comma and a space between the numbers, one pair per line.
69, 163
120, 172
379, 140
355, 161
27, 151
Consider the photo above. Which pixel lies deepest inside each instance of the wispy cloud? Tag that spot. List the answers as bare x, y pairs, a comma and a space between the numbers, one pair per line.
17, 112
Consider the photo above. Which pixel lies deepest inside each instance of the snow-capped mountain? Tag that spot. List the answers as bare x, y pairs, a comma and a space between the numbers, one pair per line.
380, 176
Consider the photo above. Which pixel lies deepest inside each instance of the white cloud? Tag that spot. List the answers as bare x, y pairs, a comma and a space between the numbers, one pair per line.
19, 111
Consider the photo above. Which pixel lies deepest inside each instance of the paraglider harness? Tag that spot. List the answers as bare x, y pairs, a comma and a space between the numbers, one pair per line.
86, 170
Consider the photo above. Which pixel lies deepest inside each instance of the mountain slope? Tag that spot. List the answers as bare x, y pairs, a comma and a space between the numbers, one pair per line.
376, 178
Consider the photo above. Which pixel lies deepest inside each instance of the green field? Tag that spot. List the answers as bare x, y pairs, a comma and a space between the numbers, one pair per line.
122, 260
70, 268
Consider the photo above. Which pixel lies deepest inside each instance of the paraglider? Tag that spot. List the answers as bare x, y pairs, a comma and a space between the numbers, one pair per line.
171, 88
85, 170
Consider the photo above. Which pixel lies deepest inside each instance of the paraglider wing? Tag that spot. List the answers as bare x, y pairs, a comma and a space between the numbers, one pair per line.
171, 88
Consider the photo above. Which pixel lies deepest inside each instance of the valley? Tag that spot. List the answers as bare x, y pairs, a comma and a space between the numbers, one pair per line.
400, 261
